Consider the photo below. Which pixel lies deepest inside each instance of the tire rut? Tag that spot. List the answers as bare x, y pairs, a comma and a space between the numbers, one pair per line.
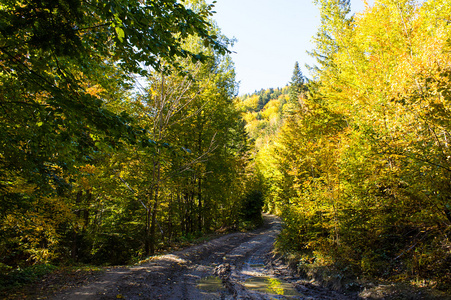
176, 275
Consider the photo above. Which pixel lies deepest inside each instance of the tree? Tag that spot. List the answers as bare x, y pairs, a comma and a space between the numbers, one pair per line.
334, 19
297, 84
52, 53
360, 174
67, 69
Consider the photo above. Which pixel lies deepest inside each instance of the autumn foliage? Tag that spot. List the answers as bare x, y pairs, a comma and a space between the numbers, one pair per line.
118, 132
360, 172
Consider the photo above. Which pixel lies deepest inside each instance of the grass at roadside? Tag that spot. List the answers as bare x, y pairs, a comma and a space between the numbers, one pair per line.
41, 281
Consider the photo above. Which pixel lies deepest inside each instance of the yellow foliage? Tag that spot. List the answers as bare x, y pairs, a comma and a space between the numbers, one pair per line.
249, 117
251, 103
271, 110
36, 231
95, 90
89, 169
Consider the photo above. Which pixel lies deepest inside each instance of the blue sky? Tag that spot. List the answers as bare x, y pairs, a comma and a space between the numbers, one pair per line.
272, 36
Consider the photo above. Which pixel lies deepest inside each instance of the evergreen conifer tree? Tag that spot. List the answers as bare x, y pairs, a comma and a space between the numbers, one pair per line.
297, 85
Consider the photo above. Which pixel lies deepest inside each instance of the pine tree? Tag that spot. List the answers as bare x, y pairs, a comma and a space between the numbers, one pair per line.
334, 20
297, 86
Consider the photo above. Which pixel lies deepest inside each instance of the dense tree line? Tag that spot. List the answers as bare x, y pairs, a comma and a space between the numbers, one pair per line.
263, 112
97, 166
360, 169
120, 134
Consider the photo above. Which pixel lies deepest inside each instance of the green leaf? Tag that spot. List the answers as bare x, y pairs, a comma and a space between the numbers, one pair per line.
120, 33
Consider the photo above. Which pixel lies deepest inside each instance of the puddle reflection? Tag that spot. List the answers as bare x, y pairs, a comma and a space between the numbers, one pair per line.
261, 284
270, 286
210, 284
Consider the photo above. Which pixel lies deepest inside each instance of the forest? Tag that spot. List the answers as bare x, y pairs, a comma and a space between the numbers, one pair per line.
356, 160
119, 138
122, 135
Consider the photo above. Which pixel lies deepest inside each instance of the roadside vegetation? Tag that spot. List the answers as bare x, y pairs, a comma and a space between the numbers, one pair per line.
119, 137
356, 160
122, 136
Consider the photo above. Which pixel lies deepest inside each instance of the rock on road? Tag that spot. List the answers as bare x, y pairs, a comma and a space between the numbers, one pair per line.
177, 275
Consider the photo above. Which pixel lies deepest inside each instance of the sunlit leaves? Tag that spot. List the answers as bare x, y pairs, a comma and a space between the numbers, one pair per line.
367, 159
68, 129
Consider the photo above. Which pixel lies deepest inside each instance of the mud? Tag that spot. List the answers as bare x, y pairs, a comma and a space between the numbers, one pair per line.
190, 274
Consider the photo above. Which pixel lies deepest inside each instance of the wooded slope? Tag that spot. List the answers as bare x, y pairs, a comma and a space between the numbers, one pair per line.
360, 171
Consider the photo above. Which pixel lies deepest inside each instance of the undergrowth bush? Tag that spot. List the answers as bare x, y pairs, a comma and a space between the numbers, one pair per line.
21, 276
332, 255
114, 249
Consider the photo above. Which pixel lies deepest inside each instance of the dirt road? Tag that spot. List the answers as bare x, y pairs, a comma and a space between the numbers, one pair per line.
240, 261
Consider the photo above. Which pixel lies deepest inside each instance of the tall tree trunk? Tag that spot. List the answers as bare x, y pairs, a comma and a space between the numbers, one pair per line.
170, 219
153, 224
186, 218
199, 207
152, 227
199, 181
147, 238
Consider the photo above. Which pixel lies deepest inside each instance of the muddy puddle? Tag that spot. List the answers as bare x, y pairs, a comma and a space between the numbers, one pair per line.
261, 284
270, 285
258, 281
210, 284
